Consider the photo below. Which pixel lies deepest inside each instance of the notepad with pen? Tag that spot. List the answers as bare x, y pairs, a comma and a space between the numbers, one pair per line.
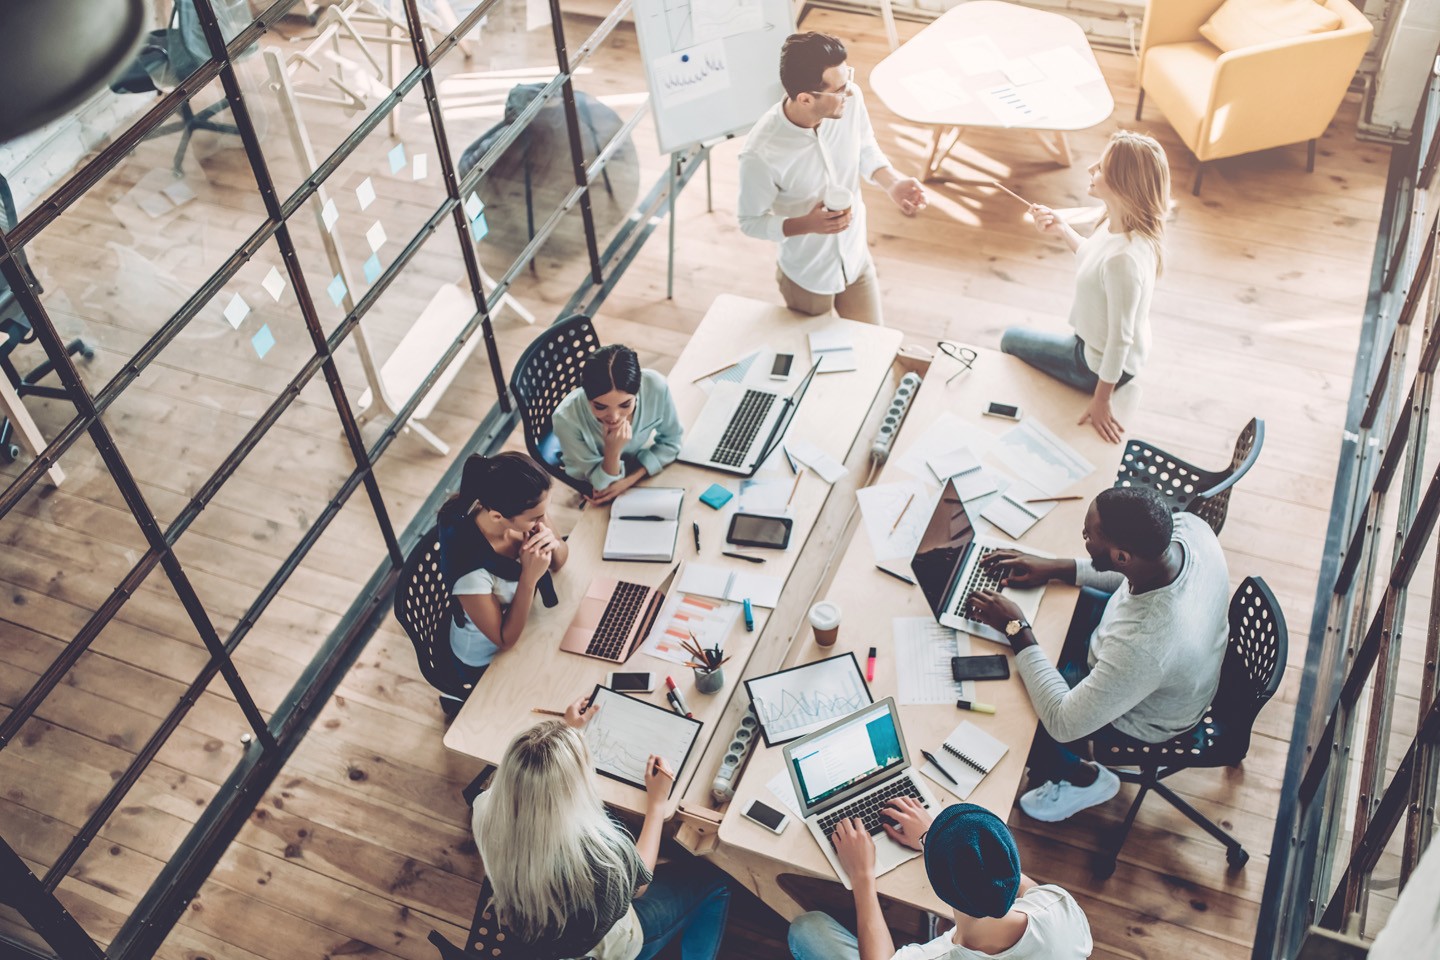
644, 522
964, 759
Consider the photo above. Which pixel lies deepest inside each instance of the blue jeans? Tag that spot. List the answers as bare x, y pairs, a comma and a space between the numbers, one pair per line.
819, 936
1059, 355
688, 895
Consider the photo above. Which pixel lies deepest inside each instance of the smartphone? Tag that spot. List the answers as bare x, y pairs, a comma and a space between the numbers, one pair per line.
768, 817
780, 369
750, 530
1006, 411
637, 682
989, 667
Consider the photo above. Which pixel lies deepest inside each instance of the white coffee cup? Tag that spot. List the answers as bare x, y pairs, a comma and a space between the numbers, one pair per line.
825, 621
837, 199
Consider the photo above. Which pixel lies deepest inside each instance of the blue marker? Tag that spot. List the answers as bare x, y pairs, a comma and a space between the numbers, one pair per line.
749, 617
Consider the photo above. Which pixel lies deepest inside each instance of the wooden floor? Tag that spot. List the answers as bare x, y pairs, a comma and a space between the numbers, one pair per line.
362, 845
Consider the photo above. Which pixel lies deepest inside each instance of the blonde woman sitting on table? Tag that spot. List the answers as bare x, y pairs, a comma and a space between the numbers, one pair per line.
568, 880
1115, 271
619, 426
496, 551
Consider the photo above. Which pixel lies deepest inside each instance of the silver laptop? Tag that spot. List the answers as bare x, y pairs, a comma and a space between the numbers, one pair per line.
853, 768
741, 425
946, 565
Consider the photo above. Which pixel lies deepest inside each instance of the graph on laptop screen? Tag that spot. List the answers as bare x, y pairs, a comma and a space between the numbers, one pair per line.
865, 746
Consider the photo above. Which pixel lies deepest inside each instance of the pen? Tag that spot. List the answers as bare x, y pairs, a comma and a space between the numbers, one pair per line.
790, 460
976, 707
895, 575
936, 764
742, 556
1073, 496
749, 617
551, 713
696, 528
870, 666
591, 702
673, 695
644, 518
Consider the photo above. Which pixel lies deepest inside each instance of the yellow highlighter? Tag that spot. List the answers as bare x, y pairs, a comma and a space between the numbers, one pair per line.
975, 707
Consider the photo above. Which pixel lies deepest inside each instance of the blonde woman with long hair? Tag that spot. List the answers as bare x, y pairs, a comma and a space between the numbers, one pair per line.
1115, 275
568, 880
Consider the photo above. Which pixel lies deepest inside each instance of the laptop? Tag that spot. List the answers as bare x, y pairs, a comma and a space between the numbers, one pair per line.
614, 617
946, 565
741, 425
853, 768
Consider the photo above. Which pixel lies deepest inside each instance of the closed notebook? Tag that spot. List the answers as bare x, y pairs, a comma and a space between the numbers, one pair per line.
966, 755
652, 538
834, 350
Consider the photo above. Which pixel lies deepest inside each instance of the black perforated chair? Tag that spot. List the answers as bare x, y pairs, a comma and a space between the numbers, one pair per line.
487, 940
1187, 488
545, 373
1249, 676
422, 605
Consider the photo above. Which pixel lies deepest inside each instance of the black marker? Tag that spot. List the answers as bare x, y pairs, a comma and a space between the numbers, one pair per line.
902, 579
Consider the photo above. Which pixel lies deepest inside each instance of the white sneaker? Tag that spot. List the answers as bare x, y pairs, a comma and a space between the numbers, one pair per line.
1052, 801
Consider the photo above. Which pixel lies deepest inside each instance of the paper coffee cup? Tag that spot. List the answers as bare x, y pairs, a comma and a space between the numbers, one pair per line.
837, 199
825, 620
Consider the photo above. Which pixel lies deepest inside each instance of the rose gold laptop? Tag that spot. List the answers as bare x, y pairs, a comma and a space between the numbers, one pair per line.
614, 617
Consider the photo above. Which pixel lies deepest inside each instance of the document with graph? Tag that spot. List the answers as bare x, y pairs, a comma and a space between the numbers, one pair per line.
626, 731
794, 702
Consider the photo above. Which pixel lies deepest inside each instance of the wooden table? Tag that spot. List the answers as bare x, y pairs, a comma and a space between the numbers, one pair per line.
992, 64
537, 674
870, 600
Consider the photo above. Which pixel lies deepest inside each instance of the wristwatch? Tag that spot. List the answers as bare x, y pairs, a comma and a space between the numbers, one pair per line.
1015, 626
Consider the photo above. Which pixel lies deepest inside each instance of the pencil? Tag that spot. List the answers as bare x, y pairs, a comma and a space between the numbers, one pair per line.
1012, 193
794, 487
902, 513
712, 373
1073, 496
547, 712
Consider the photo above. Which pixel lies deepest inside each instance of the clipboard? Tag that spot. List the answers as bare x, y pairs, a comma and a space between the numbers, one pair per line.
627, 730
797, 704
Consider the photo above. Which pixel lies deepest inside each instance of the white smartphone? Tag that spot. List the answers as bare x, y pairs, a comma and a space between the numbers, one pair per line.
631, 682
780, 369
1005, 411
768, 817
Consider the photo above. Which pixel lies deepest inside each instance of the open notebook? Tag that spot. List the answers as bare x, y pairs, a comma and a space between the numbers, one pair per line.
966, 755
644, 523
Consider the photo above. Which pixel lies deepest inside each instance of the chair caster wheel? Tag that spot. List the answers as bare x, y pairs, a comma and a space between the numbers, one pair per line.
10, 452
87, 351
1237, 858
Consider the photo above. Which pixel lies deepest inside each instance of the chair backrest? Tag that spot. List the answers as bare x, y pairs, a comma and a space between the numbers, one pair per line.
1256, 654
487, 940
545, 373
1211, 505
422, 605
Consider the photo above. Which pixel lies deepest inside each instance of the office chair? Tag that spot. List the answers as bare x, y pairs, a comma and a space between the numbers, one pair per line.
15, 329
1187, 488
1249, 676
487, 938
545, 373
422, 605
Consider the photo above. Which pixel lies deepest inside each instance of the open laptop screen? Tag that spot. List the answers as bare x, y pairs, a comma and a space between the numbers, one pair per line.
943, 548
864, 745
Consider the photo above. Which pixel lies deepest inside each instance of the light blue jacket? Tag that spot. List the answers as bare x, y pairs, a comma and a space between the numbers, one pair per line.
582, 438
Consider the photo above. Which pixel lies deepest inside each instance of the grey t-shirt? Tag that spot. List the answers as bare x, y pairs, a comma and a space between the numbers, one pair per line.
1154, 658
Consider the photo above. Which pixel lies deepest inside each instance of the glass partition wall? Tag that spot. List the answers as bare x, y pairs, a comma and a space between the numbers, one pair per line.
265, 248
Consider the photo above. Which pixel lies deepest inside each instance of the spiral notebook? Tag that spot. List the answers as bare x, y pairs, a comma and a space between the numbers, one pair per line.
966, 755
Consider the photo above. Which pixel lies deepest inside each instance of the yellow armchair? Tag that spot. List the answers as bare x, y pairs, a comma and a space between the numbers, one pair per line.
1255, 98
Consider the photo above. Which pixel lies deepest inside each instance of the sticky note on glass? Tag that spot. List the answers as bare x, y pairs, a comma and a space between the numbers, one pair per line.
179, 193
236, 311
329, 214
365, 193
479, 228
263, 341
473, 206
376, 236
397, 158
274, 284
372, 268
421, 167
336, 289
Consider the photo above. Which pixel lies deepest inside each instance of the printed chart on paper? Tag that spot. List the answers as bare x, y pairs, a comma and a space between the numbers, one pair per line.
795, 702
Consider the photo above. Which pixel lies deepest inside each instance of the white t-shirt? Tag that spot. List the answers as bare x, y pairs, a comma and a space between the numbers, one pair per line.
471, 646
1057, 930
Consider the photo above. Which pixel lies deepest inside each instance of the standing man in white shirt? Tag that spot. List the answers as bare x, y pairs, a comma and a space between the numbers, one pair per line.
811, 147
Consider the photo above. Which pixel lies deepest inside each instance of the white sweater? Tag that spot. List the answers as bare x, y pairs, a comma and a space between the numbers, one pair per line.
1114, 277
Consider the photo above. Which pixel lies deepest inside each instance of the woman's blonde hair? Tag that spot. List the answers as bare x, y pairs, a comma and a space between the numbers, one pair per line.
544, 835
1138, 173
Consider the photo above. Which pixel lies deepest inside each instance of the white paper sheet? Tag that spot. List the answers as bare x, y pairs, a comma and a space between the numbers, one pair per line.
795, 702
1033, 452
710, 621
1009, 106
895, 516
365, 193
1021, 71
706, 580
784, 791
329, 213
976, 56
829, 469
625, 732
923, 650
274, 284
236, 311
934, 89
375, 236
1066, 65
716, 19
766, 495
686, 75
945, 435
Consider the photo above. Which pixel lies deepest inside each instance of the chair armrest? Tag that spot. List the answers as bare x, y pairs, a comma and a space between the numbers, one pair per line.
1169, 21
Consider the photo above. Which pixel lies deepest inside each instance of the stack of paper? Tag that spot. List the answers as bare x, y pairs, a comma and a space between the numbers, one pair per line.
834, 350
644, 522
762, 590
960, 465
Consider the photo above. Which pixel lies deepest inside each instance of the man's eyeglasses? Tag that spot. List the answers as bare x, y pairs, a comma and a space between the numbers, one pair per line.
962, 355
846, 88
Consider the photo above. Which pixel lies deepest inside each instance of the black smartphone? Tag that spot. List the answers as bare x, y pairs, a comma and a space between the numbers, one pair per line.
780, 369
1005, 411
749, 530
636, 682
990, 667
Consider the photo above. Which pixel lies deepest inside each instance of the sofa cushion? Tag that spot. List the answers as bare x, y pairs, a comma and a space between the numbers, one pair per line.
1247, 23
1178, 78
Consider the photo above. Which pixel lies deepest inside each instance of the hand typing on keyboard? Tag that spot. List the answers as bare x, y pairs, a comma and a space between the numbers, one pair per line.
910, 819
854, 849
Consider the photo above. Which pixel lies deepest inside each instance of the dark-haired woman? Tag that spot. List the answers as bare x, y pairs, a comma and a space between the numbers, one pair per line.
619, 426
496, 550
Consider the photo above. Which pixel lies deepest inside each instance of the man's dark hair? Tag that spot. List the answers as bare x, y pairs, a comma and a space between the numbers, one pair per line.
804, 58
1135, 519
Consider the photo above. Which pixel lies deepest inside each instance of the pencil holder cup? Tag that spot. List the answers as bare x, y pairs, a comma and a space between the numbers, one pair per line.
709, 681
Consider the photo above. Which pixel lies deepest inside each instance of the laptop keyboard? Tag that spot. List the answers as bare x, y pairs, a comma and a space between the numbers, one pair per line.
744, 425
617, 620
869, 807
981, 578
